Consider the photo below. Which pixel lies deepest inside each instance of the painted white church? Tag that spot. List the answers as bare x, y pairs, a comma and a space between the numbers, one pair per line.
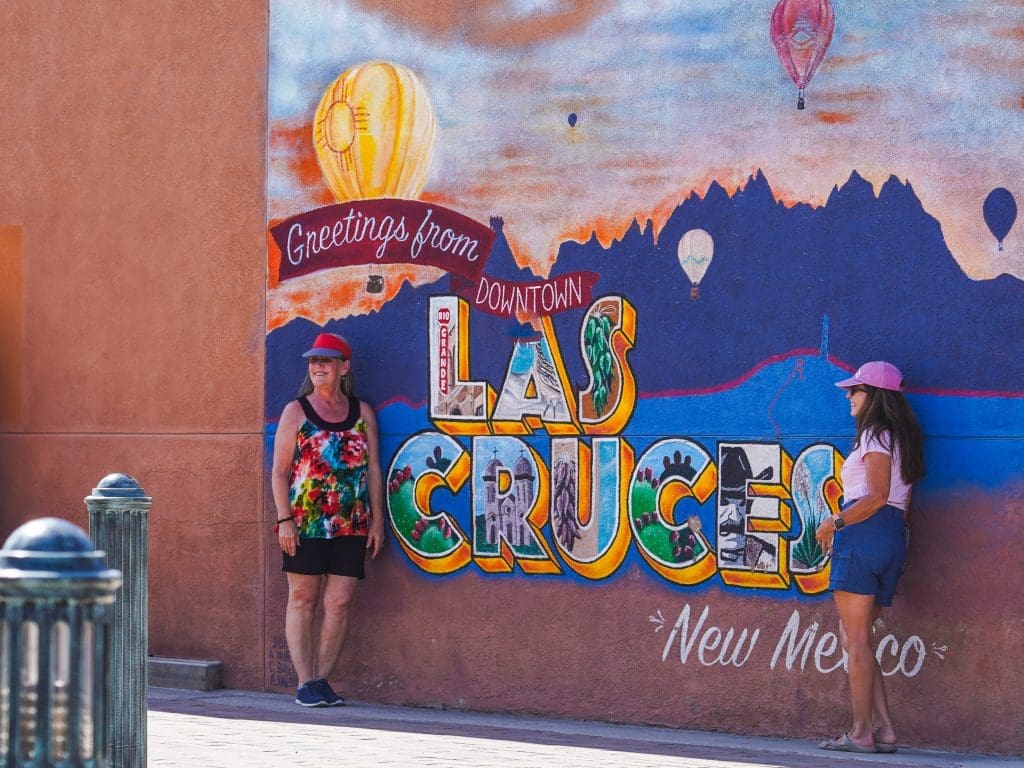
505, 515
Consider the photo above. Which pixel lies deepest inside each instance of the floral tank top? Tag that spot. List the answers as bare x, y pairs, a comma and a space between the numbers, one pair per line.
327, 486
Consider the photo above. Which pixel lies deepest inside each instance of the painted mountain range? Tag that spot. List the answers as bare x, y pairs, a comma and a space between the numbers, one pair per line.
876, 266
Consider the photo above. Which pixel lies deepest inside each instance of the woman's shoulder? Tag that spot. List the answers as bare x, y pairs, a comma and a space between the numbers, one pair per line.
876, 439
292, 409
292, 417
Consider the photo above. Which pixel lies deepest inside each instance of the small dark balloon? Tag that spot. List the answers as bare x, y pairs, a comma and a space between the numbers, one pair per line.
1000, 211
572, 119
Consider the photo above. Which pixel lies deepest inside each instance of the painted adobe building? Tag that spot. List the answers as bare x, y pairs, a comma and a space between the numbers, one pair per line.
644, 269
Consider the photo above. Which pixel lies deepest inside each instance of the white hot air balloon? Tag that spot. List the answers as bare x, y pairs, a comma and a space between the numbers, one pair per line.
695, 251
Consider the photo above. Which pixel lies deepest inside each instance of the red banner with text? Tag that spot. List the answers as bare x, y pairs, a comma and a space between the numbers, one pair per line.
382, 231
506, 298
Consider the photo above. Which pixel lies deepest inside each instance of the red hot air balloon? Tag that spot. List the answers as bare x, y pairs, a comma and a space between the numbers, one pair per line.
801, 32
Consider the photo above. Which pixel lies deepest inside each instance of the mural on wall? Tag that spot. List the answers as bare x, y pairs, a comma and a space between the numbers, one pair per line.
631, 362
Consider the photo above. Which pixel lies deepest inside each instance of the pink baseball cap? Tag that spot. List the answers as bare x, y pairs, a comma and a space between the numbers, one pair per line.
877, 373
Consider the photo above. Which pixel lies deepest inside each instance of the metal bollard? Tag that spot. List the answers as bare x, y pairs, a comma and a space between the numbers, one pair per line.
55, 605
118, 524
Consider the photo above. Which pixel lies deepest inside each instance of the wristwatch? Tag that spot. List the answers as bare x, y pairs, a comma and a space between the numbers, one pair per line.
837, 521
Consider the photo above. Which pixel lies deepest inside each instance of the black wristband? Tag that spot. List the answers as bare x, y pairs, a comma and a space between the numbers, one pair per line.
285, 520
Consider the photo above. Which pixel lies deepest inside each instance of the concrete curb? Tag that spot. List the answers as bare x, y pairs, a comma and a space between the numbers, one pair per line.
190, 674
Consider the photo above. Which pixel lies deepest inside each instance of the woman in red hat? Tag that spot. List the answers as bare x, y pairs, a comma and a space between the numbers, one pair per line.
868, 539
327, 491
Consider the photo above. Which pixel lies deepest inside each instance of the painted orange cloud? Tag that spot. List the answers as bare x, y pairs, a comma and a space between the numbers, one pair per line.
487, 22
834, 118
337, 293
1011, 33
854, 96
293, 141
837, 62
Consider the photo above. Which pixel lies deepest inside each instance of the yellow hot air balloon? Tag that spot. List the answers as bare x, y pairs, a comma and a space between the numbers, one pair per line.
695, 250
374, 133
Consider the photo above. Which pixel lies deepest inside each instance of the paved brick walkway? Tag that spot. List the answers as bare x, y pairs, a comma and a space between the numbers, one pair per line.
238, 729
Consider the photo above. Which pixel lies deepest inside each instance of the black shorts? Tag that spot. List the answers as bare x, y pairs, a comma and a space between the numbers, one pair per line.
340, 556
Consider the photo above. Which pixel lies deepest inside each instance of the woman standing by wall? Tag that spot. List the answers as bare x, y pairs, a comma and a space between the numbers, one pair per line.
327, 492
868, 539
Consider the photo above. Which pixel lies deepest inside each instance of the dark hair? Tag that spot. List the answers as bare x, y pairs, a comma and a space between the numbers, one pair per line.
886, 410
346, 385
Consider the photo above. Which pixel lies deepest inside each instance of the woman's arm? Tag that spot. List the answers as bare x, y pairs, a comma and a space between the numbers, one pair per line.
284, 451
375, 538
878, 475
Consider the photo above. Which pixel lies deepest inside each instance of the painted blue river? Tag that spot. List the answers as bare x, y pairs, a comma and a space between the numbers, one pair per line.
972, 440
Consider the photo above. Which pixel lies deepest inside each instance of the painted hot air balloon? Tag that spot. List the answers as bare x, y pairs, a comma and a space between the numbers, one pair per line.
801, 31
695, 251
374, 133
572, 119
1000, 210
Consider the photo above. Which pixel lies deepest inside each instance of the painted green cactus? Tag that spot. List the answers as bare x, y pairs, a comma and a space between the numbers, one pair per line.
807, 549
597, 345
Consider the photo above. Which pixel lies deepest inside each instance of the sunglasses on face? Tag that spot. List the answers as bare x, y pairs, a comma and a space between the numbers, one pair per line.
854, 390
325, 360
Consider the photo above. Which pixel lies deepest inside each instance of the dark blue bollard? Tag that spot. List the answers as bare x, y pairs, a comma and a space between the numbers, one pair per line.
119, 525
56, 594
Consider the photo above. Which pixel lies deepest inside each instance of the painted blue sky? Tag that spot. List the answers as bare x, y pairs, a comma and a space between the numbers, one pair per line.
670, 94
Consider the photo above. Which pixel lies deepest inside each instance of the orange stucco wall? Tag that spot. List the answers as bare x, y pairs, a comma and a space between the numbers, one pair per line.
133, 254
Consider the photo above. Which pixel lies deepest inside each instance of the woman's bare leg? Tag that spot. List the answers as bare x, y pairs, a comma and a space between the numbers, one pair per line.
855, 613
303, 596
337, 599
884, 732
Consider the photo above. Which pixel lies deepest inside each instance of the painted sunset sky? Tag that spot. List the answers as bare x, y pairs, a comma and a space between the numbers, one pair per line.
670, 95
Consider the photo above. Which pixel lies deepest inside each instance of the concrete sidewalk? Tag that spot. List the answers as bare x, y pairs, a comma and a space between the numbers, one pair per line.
239, 729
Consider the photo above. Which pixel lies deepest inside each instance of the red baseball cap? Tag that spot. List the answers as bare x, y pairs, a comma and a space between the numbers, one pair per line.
329, 345
877, 373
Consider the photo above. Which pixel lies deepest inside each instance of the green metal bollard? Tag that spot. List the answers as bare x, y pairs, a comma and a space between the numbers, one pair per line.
56, 595
118, 524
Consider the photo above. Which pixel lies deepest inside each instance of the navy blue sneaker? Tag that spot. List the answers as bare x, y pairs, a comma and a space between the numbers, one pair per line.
331, 699
309, 695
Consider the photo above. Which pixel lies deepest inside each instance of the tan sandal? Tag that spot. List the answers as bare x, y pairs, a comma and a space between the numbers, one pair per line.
845, 744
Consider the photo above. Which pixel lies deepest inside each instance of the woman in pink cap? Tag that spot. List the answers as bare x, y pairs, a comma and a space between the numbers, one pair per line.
868, 539
329, 499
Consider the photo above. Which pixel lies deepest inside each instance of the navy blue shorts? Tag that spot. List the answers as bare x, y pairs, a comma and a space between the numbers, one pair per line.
868, 557
340, 556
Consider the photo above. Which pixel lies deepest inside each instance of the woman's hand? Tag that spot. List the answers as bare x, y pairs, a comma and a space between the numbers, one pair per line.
286, 537
284, 450
375, 539
825, 533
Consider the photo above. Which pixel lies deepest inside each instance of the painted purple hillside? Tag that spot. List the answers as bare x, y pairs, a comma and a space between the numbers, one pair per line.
878, 267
